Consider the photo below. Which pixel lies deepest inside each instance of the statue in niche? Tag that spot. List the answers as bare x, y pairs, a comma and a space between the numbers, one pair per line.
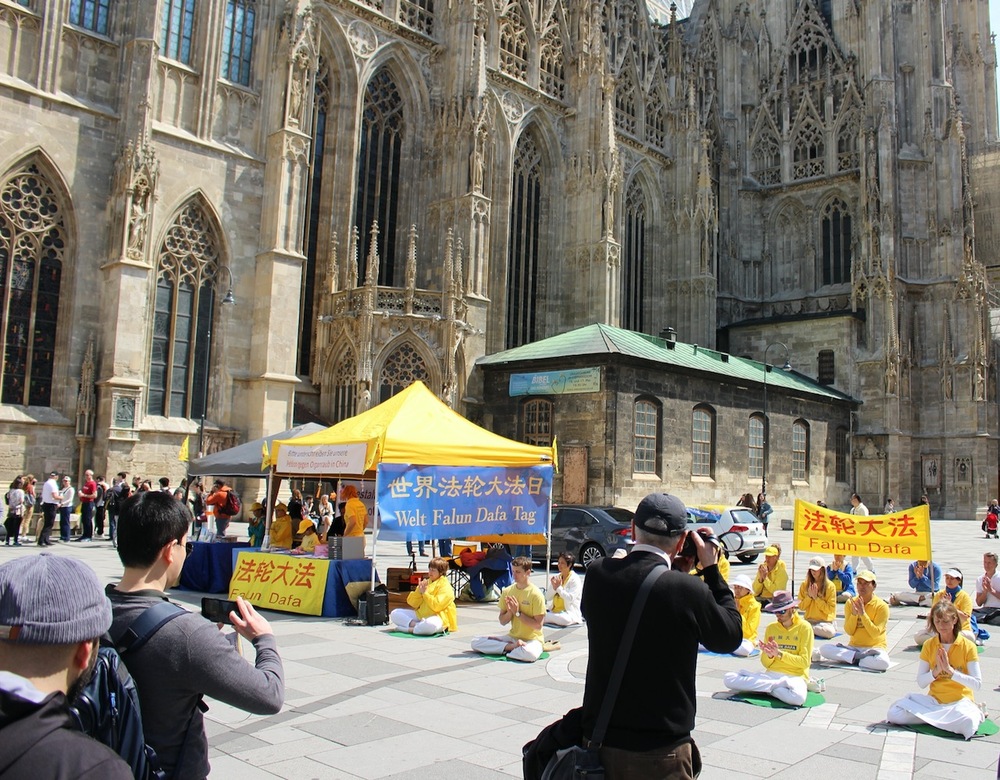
297, 89
138, 219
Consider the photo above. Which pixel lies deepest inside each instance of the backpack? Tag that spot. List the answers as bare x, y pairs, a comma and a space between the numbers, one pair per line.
233, 505
107, 708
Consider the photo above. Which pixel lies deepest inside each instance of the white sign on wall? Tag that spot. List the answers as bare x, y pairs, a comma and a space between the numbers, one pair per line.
322, 459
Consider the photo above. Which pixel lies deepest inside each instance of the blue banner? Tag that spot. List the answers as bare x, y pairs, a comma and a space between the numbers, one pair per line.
449, 502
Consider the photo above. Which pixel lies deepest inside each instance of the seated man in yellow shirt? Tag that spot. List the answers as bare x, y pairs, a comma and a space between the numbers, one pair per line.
786, 654
522, 607
772, 575
865, 620
433, 604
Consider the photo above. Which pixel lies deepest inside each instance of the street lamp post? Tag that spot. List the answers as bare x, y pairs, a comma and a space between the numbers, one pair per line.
229, 300
767, 427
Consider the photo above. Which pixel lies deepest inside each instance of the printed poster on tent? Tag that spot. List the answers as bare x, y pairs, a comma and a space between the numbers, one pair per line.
452, 502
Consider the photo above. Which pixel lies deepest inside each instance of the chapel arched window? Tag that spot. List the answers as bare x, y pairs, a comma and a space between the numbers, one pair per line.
401, 369
835, 234
32, 250
321, 107
187, 267
344, 387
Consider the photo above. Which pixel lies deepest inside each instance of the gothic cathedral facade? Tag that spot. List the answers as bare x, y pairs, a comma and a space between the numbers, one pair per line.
390, 189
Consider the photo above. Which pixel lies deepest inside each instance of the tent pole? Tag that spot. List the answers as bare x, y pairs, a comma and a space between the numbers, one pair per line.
273, 481
548, 548
375, 526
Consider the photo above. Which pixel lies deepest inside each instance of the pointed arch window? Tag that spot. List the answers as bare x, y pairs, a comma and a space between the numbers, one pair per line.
379, 169
344, 383
514, 44
237, 40
808, 156
307, 324
91, 15
182, 319
835, 234
524, 243
625, 105
633, 261
767, 160
843, 451
847, 145
177, 30
32, 251
656, 132
401, 369
553, 77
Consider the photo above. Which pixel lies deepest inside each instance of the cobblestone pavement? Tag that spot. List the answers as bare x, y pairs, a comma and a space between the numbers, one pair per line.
363, 704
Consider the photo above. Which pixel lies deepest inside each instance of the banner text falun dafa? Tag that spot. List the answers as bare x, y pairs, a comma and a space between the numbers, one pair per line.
904, 534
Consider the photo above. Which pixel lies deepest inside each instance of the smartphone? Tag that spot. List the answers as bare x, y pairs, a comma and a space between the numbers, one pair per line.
217, 610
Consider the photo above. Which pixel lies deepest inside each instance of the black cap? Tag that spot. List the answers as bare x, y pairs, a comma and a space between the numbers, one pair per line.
668, 509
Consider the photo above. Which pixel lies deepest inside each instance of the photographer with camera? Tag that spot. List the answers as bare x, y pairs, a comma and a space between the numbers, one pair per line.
649, 734
188, 657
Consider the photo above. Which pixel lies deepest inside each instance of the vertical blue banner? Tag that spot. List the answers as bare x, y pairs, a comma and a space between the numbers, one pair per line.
451, 502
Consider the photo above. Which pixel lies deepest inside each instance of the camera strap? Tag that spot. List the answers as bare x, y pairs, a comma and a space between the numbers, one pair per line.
624, 650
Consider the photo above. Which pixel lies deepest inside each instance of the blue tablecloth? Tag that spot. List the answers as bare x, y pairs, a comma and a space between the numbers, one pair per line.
336, 602
209, 567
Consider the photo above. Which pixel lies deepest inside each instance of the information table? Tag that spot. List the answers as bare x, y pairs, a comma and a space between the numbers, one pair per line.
297, 583
209, 567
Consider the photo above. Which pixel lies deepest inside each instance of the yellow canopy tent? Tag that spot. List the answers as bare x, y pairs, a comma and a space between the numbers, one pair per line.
413, 427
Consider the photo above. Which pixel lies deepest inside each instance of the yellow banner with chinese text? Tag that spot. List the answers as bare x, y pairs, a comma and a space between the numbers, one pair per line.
904, 534
281, 582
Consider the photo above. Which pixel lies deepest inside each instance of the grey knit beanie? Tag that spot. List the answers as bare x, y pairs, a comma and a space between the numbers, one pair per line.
50, 599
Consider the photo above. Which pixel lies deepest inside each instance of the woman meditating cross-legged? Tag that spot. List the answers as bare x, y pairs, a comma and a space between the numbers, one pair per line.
433, 604
949, 664
568, 589
786, 654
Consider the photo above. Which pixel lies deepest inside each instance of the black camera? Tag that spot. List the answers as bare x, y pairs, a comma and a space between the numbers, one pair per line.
690, 551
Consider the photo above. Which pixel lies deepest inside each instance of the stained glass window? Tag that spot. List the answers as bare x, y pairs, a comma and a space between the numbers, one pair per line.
90, 14
524, 250
401, 369
633, 260
32, 248
177, 30
237, 40
182, 315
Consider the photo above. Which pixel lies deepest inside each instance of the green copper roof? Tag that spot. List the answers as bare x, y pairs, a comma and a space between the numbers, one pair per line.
603, 339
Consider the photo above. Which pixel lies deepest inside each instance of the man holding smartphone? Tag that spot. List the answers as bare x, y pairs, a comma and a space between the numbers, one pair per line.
188, 657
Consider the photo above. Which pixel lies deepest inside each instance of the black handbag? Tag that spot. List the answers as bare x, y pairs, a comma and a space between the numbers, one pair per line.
576, 761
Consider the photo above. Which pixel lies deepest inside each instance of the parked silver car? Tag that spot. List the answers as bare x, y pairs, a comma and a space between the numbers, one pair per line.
739, 529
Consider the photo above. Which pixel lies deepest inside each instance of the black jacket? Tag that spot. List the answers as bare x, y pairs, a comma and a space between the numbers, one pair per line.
37, 741
656, 705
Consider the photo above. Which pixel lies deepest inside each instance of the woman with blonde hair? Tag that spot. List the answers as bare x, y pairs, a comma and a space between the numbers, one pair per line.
818, 600
949, 666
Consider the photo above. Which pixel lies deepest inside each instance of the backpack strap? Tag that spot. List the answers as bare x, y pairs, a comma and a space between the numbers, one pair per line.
148, 623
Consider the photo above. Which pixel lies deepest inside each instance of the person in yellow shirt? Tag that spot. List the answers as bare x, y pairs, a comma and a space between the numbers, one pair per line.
433, 604
281, 527
772, 575
949, 665
355, 512
722, 561
307, 529
749, 609
818, 599
952, 592
785, 653
865, 620
522, 607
